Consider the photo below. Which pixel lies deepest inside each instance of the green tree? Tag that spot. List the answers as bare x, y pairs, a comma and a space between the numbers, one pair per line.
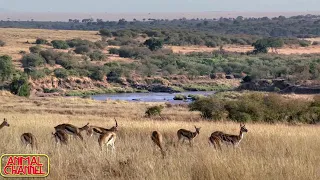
6, 67
153, 44
261, 46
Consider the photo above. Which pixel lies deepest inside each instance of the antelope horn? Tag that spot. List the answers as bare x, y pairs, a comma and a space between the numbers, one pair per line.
116, 122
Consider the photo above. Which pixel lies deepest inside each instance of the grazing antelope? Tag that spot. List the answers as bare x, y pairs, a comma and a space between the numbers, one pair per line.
61, 136
4, 123
217, 138
29, 139
185, 134
100, 130
72, 130
157, 139
108, 137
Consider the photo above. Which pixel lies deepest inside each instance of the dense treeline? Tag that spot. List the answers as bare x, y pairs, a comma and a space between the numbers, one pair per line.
296, 26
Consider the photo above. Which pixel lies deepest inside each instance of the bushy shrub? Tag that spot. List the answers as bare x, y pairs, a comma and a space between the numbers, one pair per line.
105, 32
97, 55
32, 60
97, 74
113, 51
20, 86
41, 41
134, 52
154, 110
6, 67
82, 49
304, 43
2, 43
211, 44
179, 97
61, 73
210, 108
60, 44
50, 56
35, 49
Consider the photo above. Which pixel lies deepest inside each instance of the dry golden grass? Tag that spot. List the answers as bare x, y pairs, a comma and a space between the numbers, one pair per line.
287, 50
267, 151
16, 38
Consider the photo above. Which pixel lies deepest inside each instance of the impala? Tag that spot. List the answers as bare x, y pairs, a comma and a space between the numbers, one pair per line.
72, 130
188, 135
29, 139
157, 139
217, 138
108, 137
101, 130
61, 136
4, 123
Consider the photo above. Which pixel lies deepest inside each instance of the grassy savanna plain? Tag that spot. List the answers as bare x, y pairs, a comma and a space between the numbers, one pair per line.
276, 151
16, 39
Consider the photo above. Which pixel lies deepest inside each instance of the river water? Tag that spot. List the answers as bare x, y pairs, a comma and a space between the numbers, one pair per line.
149, 97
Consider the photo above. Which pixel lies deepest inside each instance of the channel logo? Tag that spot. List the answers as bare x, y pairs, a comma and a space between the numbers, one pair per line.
24, 165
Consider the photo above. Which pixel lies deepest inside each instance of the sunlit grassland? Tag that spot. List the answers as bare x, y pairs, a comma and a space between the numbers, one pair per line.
277, 151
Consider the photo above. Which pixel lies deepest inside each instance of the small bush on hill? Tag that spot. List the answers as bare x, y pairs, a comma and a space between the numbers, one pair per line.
59, 44
154, 110
304, 43
32, 60
105, 32
82, 49
61, 73
20, 86
113, 51
35, 49
97, 55
41, 41
6, 68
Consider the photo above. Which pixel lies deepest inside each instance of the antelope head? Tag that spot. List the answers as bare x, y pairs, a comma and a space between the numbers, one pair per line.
243, 128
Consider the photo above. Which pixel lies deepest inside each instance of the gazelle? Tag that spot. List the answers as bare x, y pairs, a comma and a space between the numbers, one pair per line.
4, 123
108, 137
101, 130
157, 139
217, 138
72, 130
29, 139
188, 135
61, 136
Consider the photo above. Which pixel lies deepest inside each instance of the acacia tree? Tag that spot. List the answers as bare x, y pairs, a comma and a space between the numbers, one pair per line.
263, 45
154, 44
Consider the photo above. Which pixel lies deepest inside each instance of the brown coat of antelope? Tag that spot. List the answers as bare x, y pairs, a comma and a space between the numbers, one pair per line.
100, 130
108, 137
217, 138
188, 135
4, 123
156, 137
61, 136
29, 139
72, 130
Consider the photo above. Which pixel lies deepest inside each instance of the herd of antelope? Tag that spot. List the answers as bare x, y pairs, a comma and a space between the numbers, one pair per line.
108, 136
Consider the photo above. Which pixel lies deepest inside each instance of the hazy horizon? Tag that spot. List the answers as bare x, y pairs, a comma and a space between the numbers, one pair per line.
162, 6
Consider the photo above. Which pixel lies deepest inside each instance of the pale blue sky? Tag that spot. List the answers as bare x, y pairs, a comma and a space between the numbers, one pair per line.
114, 6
